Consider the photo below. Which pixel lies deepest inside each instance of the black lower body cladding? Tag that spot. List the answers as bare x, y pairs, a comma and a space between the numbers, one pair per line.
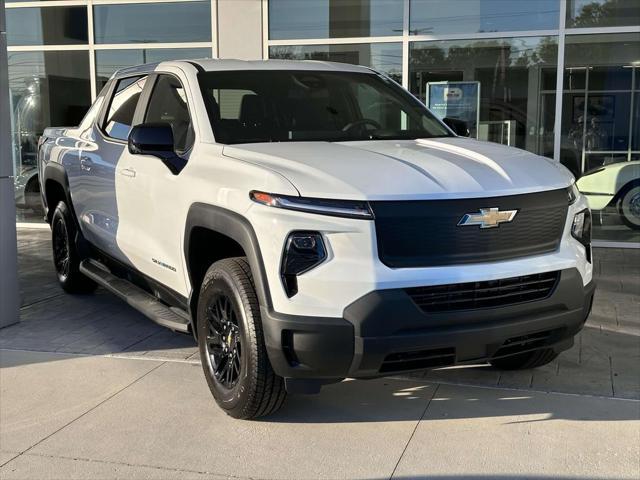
385, 332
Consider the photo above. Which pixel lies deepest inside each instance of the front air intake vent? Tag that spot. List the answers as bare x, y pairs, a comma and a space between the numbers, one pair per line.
416, 360
527, 343
485, 294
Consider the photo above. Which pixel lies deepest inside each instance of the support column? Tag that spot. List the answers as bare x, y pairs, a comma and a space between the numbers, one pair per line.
9, 291
240, 29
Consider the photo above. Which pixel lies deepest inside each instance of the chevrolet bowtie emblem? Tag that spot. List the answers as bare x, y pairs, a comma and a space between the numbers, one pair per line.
488, 217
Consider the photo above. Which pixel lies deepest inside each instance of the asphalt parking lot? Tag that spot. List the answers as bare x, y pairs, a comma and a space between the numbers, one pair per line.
91, 389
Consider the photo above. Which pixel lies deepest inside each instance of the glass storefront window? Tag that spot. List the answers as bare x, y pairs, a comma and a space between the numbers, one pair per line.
163, 22
516, 79
108, 61
334, 18
45, 89
437, 17
385, 57
600, 140
47, 26
602, 13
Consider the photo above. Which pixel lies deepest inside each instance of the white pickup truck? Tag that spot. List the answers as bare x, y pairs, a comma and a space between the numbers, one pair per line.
309, 222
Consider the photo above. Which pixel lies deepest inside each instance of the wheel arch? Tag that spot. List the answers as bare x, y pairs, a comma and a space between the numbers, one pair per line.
626, 187
209, 226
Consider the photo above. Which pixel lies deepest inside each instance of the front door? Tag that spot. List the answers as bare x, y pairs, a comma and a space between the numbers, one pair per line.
149, 195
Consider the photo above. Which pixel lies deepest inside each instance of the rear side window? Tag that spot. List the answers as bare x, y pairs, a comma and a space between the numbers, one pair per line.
123, 106
168, 104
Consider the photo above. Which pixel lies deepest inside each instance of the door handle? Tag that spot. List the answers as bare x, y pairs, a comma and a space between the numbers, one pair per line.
85, 164
128, 172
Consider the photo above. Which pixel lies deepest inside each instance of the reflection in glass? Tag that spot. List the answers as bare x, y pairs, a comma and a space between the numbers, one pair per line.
600, 132
168, 104
152, 22
602, 13
429, 17
47, 26
123, 106
45, 89
385, 57
108, 61
514, 108
334, 18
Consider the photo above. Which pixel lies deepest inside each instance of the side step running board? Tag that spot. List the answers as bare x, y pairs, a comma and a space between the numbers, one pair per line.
136, 297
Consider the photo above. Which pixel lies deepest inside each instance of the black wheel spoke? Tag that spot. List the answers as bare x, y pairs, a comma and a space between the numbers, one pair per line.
223, 341
61, 257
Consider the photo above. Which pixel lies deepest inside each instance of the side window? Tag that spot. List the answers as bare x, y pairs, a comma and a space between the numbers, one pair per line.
168, 104
123, 106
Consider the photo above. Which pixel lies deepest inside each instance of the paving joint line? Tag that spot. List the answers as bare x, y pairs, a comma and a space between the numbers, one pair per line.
141, 340
404, 450
41, 300
15, 455
121, 356
83, 414
134, 465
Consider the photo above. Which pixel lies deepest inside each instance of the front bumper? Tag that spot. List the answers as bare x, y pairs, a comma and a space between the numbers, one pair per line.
384, 332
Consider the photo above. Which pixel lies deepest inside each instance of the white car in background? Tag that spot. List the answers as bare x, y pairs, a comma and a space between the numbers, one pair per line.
616, 185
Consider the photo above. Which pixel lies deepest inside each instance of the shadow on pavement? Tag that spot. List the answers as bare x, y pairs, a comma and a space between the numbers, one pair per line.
388, 400
494, 477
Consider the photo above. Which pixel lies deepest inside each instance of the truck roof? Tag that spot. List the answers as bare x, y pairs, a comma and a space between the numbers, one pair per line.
213, 64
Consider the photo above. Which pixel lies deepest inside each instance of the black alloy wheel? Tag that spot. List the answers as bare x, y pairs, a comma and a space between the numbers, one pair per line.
66, 257
234, 357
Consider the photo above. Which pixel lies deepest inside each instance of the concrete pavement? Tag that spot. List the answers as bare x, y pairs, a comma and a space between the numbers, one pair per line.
91, 389
70, 416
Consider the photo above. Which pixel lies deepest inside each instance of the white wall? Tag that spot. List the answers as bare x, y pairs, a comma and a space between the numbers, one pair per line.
240, 29
9, 297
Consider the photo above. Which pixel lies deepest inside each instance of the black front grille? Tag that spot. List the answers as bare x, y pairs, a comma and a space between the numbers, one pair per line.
485, 294
425, 233
416, 360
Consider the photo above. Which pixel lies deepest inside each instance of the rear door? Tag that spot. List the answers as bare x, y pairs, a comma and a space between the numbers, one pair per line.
101, 154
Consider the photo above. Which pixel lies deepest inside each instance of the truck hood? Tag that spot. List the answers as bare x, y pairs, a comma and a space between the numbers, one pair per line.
408, 169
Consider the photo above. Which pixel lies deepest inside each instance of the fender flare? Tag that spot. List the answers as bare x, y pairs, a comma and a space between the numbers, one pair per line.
57, 173
236, 227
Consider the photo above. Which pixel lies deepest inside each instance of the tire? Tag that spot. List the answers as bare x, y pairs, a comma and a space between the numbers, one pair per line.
629, 206
524, 361
231, 343
66, 259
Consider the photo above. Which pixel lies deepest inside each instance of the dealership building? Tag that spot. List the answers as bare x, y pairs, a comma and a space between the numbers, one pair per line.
560, 78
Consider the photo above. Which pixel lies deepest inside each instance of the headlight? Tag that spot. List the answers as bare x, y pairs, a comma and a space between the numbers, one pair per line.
581, 230
321, 206
302, 252
572, 193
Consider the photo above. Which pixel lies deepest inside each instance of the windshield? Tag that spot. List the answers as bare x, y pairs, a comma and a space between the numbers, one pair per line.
292, 106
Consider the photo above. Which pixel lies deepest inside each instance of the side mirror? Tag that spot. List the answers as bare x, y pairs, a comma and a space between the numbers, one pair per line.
156, 139
458, 126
